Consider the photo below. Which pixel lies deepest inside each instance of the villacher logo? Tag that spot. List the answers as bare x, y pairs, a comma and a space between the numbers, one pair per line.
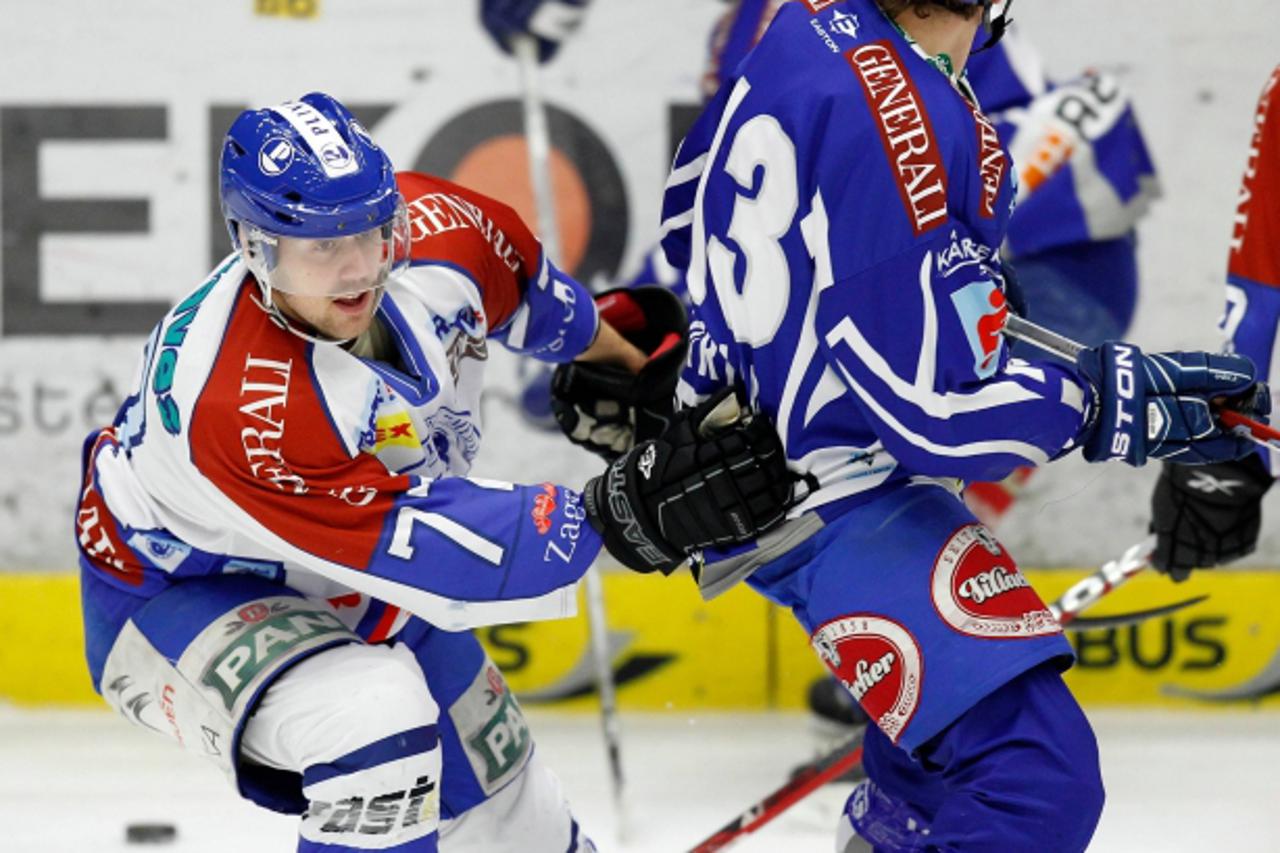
978, 590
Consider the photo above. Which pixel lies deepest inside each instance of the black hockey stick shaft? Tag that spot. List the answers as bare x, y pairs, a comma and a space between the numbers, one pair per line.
804, 781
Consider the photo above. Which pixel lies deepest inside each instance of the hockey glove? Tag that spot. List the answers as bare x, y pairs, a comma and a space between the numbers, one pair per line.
607, 409
549, 21
1205, 515
718, 476
1158, 406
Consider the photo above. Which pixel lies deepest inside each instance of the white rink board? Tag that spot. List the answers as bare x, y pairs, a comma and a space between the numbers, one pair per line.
1196, 69
1176, 783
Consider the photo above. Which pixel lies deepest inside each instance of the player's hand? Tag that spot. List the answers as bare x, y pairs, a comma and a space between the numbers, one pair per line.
608, 409
548, 21
1161, 406
717, 477
1206, 515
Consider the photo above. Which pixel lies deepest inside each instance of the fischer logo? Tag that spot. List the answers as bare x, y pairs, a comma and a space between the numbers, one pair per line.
879, 662
1126, 388
905, 132
816, 6
978, 590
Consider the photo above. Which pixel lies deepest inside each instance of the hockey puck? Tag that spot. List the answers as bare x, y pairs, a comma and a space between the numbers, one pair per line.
150, 833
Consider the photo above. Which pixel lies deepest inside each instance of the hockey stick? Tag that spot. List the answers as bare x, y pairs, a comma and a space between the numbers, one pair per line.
538, 140
1087, 591
1063, 347
803, 782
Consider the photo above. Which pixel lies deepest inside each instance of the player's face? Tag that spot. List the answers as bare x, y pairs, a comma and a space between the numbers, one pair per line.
331, 284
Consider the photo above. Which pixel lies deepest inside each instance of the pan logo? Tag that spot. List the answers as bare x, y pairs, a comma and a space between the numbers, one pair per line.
276, 156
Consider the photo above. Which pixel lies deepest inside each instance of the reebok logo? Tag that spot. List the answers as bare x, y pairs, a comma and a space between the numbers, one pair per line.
1211, 485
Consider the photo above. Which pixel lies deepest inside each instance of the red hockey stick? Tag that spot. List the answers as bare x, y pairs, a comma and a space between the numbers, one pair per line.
804, 781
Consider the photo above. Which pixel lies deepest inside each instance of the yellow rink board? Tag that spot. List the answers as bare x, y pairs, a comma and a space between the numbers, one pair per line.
675, 652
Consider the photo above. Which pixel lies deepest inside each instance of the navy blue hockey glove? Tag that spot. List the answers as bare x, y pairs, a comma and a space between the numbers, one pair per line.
607, 409
1206, 515
717, 477
548, 21
1159, 406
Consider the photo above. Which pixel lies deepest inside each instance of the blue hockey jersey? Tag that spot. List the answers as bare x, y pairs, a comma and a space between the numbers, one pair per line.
839, 207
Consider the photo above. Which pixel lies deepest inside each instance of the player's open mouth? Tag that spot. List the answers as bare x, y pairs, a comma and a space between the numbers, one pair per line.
355, 303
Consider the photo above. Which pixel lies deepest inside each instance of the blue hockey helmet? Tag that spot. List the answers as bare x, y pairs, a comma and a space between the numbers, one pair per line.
306, 169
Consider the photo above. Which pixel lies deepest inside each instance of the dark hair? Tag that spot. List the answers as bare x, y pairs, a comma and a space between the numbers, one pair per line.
893, 8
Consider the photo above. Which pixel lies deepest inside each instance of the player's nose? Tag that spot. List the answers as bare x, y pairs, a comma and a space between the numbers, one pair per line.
359, 266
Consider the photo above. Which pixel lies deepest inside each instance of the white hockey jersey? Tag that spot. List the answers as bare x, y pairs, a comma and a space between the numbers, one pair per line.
246, 448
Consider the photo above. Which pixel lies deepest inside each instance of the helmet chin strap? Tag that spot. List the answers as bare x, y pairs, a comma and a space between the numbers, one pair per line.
996, 27
309, 333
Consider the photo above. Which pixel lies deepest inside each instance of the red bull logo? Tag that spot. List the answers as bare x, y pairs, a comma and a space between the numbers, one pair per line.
544, 504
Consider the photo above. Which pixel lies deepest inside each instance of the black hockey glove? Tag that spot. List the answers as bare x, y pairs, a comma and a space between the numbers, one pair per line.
718, 476
1206, 515
608, 409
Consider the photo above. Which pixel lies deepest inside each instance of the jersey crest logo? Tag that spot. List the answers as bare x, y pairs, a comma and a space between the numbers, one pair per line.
978, 590
879, 662
982, 310
845, 24
906, 133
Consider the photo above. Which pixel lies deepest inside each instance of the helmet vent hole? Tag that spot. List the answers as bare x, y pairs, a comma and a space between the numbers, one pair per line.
293, 196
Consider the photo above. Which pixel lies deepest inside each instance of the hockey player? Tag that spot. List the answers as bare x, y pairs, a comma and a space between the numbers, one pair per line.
1212, 514
839, 208
280, 547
